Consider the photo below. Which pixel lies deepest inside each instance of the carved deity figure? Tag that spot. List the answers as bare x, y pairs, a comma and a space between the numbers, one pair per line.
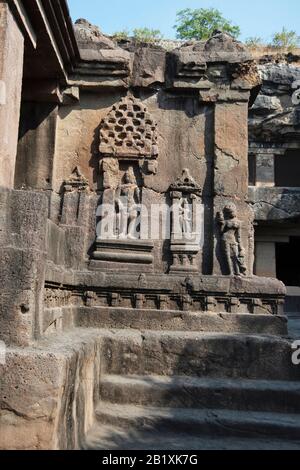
231, 240
186, 217
127, 203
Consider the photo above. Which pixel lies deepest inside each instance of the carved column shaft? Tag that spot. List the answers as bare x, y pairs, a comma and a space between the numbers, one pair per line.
231, 178
11, 73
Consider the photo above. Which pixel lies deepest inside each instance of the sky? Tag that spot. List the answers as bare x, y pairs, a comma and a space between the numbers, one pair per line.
261, 18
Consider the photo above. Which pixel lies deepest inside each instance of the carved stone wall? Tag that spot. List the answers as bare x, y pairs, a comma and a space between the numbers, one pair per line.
145, 140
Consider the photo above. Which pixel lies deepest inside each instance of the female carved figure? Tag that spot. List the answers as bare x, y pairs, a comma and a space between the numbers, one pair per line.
127, 205
231, 239
185, 217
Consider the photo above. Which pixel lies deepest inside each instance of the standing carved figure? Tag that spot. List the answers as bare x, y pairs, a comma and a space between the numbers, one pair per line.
231, 240
127, 206
185, 217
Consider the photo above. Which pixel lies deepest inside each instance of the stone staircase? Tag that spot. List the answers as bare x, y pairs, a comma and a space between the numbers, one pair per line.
168, 390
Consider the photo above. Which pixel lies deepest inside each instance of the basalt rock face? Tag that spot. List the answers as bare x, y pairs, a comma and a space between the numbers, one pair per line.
98, 49
90, 36
274, 117
275, 204
140, 261
274, 130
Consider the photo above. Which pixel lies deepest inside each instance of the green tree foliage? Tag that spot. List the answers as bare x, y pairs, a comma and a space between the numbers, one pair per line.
201, 23
121, 35
147, 35
286, 40
254, 41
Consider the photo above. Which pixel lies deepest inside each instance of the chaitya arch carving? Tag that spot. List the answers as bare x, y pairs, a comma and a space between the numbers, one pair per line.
129, 131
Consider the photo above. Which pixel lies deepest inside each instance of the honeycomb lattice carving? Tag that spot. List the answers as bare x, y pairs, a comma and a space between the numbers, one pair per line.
129, 131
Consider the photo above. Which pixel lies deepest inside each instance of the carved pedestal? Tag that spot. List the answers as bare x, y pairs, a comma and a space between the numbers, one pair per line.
124, 251
184, 256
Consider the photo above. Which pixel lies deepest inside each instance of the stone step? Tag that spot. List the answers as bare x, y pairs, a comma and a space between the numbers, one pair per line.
104, 437
199, 422
209, 355
143, 319
193, 392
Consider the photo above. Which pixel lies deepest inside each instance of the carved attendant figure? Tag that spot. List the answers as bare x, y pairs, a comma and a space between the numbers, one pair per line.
231, 240
185, 217
127, 204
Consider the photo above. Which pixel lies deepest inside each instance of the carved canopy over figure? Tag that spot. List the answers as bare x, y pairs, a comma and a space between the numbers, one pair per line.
127, 203
232, 248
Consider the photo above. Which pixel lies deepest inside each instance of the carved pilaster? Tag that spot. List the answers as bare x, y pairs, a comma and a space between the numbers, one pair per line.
74, 204
163, 302
211, 304
139, 301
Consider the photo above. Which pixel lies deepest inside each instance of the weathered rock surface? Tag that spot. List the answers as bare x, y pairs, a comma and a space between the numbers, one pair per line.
274, 117
90, 36
273, 132
221, 47
275, 204
46, 393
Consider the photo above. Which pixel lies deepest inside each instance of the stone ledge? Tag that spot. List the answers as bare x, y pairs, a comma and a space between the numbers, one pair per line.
163, 282
119, 318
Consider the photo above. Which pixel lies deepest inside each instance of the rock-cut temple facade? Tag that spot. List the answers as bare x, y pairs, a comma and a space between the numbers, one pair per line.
139, 223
